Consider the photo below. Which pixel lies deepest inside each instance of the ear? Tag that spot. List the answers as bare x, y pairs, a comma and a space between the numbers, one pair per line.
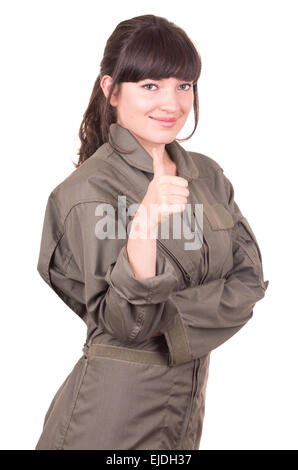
106, 83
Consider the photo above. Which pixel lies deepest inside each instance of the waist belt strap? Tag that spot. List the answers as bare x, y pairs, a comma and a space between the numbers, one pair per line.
177, 344
127, 354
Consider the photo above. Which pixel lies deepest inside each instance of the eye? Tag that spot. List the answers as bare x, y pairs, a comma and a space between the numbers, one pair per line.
187, 84
148, 84
153, 84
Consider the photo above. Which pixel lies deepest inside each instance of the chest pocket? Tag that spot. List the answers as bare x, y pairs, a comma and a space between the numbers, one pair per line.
217, 228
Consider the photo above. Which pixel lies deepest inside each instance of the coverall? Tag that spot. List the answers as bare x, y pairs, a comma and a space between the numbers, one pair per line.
132, 389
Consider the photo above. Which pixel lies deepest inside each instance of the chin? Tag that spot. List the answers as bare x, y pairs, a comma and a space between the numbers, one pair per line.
164, 140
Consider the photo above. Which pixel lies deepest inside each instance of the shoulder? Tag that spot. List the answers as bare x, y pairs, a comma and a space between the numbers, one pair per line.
90, 182
207, 166
213, 176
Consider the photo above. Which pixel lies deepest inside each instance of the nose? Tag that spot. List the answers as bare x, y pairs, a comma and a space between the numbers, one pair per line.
169, 101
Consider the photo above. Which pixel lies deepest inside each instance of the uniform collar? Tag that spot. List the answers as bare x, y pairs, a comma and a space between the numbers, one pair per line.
141, 159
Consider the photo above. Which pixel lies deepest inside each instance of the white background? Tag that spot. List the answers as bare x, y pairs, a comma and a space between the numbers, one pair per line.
50, 55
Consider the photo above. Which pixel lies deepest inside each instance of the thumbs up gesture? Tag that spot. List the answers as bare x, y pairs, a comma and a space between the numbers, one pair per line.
168, 193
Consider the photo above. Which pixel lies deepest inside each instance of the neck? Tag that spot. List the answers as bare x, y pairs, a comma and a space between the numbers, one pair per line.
151, 148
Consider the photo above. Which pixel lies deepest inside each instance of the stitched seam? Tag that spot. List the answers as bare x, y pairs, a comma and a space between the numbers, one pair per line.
105, 201
256, 266
229, 252
166, 408
246, 251
85, 365
49, 258
67, 264
53, 198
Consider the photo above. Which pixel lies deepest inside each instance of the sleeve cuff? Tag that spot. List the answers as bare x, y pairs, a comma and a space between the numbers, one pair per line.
152, 290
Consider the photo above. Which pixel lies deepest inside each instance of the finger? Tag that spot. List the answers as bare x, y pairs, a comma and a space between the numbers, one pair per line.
158, 167
177, 180
177, 190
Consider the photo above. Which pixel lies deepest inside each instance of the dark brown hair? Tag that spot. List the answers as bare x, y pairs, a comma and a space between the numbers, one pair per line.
145, 46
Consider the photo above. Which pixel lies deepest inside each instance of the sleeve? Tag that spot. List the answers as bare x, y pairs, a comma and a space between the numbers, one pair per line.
214, 311
127, 308
54, 260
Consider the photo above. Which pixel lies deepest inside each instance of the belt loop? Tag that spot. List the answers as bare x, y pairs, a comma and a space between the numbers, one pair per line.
179, 351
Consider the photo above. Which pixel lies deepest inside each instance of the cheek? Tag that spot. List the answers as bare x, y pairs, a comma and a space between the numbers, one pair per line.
135, 109
188, 101
185, 114
144, 107
188, 105
133, 103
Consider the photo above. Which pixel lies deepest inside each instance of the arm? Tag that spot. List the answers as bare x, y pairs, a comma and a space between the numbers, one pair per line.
141, 249
128, 308
215, 311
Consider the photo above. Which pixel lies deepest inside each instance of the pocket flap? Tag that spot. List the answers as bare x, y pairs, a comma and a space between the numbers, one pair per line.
218, 216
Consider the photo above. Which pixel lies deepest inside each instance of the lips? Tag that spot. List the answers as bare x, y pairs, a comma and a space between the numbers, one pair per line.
164, 119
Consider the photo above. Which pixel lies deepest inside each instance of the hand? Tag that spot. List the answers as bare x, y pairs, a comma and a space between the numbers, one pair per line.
168, 192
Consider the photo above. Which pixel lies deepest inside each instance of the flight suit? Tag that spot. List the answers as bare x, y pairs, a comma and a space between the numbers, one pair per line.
132, 388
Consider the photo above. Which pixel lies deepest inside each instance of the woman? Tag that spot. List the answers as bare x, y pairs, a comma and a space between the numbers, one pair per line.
155, 306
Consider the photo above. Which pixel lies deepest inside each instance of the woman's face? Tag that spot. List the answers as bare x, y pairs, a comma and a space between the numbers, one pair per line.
138, 103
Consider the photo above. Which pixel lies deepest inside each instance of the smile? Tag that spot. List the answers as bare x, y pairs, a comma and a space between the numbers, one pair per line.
165, 122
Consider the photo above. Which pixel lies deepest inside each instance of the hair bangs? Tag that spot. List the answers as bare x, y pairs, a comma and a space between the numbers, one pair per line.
158, 54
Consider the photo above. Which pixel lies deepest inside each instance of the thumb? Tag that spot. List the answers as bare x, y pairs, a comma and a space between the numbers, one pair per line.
158, 167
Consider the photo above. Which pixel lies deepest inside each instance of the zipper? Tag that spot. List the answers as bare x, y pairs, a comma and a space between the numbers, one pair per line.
192, 399
185, 273
206, 253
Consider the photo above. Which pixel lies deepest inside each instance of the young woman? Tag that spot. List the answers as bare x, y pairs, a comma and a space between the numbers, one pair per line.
155, 305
